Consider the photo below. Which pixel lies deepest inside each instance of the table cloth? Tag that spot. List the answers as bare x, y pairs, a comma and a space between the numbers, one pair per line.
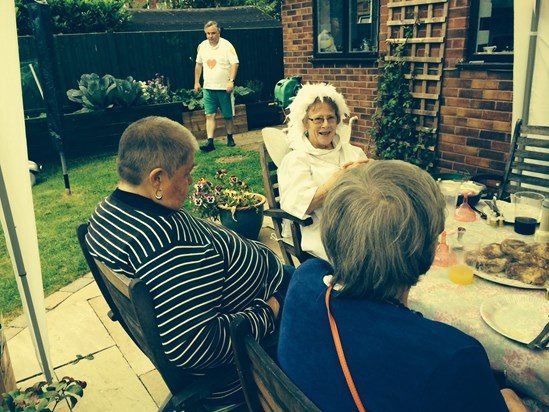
436, 297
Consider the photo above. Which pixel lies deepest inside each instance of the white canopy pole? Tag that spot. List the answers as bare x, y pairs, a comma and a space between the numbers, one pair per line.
531, 44
16, 207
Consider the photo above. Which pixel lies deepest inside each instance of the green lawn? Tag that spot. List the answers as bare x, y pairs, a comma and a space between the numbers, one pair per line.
93, 178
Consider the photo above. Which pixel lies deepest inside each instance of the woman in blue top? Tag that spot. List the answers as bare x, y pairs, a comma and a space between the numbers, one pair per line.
380, 228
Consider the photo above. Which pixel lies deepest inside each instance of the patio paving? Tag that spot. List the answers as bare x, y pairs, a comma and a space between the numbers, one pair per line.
119, 377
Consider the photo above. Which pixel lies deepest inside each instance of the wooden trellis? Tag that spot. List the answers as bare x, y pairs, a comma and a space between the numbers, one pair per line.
424, 51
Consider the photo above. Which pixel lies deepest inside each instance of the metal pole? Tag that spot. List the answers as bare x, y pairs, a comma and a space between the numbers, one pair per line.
41, 23
21, 272
530, 64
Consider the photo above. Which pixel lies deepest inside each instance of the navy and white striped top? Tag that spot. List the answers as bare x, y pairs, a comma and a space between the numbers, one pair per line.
199, 274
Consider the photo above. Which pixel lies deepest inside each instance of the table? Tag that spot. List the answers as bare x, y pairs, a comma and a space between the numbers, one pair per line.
439, 299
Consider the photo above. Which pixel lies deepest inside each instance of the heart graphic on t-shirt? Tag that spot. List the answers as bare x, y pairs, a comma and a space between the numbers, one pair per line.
211, 63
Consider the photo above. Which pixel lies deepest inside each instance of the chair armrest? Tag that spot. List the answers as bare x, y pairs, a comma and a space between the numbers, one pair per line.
203, 386
281, 214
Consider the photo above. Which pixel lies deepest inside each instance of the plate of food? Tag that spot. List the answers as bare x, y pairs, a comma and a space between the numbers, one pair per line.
507, 210
513, 262
517, 317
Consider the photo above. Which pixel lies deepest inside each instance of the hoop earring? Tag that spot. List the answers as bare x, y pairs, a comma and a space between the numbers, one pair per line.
158, 194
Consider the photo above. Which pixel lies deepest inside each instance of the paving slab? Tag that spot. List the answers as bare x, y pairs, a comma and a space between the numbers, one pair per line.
73, 329
77, 285
138, 361
112, 384
155, 386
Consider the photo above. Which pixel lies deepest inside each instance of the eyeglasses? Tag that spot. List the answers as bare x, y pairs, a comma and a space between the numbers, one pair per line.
321, 120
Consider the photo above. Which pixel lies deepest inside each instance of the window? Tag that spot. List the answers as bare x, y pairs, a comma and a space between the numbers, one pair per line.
491, 31
345, 29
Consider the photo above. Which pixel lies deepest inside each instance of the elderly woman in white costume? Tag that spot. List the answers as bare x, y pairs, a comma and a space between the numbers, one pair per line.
320, 154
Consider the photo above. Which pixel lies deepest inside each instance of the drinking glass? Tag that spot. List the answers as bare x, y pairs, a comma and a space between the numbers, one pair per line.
450, 191
462, 263
527, 211
442, 253
464, 213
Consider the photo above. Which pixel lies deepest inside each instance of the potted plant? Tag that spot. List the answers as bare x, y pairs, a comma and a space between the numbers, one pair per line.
43, 396
231, 201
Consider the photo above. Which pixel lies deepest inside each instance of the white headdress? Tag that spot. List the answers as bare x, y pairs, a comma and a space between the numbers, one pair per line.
305, 97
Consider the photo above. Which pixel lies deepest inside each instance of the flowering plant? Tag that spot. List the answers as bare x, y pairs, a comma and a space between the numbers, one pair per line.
225, 191
157, 90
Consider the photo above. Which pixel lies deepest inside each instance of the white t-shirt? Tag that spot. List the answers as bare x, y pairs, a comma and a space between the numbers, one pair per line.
216, 63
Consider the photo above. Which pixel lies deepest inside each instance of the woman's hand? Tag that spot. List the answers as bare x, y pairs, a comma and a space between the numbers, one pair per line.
274, 305
324, 188
512, 400
352, 165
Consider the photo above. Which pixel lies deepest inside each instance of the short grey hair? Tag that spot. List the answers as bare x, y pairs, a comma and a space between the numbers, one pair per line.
153, 142
212, 23
380, 228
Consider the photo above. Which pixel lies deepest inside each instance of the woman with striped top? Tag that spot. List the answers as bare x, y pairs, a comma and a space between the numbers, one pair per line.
200, 275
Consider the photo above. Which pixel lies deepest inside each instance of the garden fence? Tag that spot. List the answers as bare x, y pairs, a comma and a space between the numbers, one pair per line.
143, 54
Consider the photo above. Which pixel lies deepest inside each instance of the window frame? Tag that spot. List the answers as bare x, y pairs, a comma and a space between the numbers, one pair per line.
344, 56
474, 57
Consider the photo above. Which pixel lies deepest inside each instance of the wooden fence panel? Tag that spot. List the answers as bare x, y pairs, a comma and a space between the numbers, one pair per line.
143, 54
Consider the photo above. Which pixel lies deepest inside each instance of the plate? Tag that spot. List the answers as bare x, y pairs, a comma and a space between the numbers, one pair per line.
506, 208
504, 280
517, 317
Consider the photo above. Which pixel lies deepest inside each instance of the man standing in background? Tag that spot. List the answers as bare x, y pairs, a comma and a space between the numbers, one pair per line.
216, 58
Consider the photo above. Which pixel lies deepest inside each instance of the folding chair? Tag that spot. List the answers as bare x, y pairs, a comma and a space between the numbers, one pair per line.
528, 164
266, 387
289, 245
132, 306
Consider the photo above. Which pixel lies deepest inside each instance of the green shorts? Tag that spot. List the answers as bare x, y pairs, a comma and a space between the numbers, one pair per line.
219, 98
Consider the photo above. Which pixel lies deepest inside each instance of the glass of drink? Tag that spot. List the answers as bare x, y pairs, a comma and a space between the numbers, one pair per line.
527, 211
463, 262
450, 191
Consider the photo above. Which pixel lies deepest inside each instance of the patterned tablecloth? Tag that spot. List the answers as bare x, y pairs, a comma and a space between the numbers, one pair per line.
438, 298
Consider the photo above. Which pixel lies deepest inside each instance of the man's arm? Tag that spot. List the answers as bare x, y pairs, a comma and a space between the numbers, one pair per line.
232, 77
197, 72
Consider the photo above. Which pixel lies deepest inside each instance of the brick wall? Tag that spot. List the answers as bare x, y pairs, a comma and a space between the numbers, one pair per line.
475, 116
357, 82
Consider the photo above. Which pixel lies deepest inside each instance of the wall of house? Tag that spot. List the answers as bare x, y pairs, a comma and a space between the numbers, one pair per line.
475, 116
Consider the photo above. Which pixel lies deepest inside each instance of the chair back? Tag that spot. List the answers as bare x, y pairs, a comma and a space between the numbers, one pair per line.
290, 245
266, 387
528, 164
131, 304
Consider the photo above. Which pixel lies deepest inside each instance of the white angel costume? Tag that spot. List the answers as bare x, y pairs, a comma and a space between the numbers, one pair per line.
305, 167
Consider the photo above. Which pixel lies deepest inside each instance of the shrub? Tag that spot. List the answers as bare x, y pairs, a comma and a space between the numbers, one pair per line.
396, 132
98, 93
77, 16
43, 396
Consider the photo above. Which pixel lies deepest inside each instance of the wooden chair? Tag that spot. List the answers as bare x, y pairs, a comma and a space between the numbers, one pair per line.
290, 245
265, 385
528, 164
132, 306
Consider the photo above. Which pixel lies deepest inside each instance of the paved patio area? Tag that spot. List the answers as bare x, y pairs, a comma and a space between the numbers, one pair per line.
119, 377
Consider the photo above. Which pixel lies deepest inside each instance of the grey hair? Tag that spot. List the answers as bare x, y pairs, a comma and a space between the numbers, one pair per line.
380, 227
308, 95
212, 23
153, 142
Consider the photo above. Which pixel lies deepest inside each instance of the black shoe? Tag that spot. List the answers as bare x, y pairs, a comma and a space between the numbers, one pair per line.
230, 142
207, 147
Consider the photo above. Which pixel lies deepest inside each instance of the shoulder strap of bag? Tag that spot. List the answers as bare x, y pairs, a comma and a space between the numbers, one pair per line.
341, 355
